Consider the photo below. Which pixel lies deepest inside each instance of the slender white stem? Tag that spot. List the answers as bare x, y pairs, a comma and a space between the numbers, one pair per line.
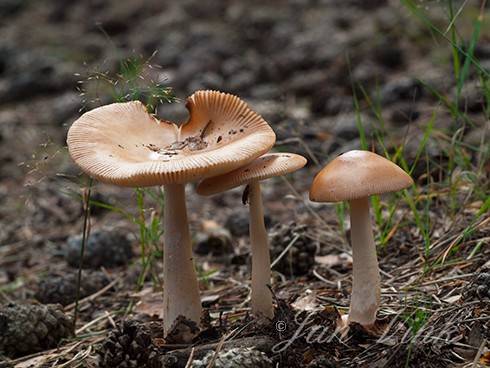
365, 280
181, 289
261, 261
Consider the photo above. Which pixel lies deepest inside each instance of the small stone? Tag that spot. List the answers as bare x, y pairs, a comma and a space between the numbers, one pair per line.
404, 113
476, 136
404, 88
471, 97
31, 75
338, 104
368, 74
241, 81
65, 107
303, 83
207, 81
389, 54
265, 91
346, 126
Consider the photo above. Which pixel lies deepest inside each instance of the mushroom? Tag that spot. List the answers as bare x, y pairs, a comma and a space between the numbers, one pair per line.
353, 177
123, 144
267, 166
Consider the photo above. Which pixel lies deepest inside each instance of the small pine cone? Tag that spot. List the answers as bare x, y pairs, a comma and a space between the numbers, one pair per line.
129, 345
62, 289
478, 288
103, 249
26, 329
300, 258
322, 362
235, 358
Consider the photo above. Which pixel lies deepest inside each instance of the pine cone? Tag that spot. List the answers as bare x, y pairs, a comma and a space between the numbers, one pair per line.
479, 287
235, 358
26, 329
62, 289
129, 345
103, 248
300, 258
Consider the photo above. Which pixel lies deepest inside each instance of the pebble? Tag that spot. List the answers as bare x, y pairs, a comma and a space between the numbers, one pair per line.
27, 75
471, 97
266, 91
404, 113
404, 88
303, 83
346, 126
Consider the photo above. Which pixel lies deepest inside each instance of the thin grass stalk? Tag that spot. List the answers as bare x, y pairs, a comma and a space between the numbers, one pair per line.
85, 234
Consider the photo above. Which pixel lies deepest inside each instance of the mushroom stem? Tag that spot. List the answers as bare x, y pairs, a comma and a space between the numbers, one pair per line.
261, 261
181, 289
366, 281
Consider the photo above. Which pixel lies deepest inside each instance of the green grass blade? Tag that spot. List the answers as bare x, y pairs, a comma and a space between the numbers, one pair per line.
471, 49
415, 10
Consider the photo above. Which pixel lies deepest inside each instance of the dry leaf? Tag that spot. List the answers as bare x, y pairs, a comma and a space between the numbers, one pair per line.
485, 359
452, 299
332, 260
33, 362
306, 303
151, 304
209, 299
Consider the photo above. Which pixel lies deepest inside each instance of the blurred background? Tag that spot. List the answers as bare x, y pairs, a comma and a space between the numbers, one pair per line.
328, 75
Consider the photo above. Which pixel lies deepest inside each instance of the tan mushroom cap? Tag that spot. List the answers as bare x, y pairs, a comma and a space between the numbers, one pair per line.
264, 167
123, 144
357, 174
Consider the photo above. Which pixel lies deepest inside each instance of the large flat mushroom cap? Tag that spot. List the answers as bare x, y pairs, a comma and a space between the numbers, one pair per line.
357, 174
123, 144
264, 167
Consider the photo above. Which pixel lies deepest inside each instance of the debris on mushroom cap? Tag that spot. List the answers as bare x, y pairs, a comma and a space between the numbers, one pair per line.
264, 167
123, 144
357, 174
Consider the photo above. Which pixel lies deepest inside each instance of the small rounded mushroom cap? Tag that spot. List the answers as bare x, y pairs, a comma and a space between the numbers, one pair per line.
264, 167
123, 144
357, 174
